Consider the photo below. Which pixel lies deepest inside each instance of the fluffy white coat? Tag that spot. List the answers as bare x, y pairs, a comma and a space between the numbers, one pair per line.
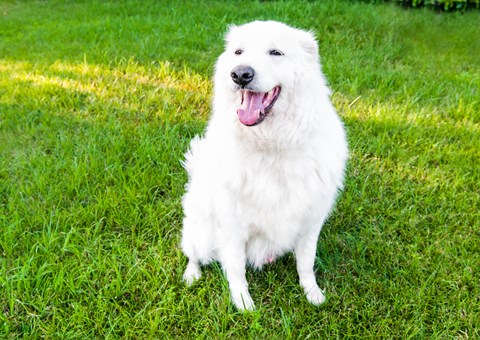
257, 192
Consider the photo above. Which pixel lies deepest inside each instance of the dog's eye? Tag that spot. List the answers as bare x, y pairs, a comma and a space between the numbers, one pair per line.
238, 51
275, 52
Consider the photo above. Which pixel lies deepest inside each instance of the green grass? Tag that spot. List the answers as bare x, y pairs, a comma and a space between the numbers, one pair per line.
98, 102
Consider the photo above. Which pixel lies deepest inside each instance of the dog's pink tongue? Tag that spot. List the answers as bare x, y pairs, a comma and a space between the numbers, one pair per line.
251, 107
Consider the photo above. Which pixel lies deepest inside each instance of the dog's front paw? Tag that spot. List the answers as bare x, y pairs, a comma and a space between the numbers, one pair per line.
192, 273
243, 302
315, 296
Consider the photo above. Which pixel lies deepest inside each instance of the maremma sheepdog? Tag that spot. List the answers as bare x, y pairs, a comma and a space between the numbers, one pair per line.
264, 177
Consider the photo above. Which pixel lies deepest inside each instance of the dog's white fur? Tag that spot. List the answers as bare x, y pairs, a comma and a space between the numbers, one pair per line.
257, 192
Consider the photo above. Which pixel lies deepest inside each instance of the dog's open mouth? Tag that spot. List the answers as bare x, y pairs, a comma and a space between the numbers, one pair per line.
255, 106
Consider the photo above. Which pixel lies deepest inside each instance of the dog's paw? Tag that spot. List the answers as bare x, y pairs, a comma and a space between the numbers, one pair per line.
243, 302
315, 296
192, 273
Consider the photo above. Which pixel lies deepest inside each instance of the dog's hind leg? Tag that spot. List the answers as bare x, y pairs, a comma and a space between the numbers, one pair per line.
192, 272
196, 245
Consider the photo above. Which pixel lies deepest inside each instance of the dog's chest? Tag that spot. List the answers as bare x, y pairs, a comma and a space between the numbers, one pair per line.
277, 189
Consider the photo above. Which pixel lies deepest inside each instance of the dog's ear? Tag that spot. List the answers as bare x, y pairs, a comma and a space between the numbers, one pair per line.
309, 43
230, 32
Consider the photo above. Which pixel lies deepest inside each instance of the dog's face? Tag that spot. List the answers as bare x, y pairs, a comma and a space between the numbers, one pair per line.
261, 64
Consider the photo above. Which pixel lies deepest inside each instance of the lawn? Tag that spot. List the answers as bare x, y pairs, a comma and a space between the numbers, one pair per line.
98, 102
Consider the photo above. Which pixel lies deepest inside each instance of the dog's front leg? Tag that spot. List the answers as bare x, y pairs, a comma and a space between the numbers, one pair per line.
305, 251
233, 261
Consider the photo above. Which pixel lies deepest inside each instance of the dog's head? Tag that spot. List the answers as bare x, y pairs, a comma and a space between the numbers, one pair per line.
264, 65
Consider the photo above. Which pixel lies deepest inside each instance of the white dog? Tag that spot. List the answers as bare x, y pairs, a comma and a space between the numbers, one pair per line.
265, 176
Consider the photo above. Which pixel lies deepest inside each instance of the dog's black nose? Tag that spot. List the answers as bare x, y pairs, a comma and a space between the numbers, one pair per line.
242, 75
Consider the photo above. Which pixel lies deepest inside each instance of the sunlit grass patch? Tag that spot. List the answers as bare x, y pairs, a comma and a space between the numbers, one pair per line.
95, 91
